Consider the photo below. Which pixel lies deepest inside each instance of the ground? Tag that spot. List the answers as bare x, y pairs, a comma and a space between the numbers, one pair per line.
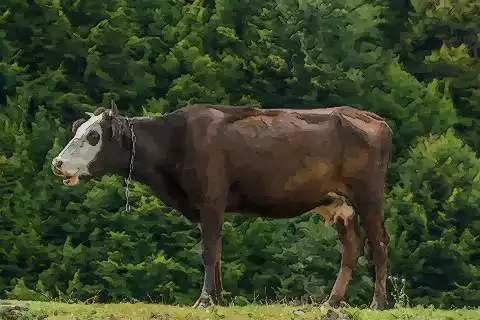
141, 311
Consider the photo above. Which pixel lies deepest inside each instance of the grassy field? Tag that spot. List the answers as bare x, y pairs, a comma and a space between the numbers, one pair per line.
141, 311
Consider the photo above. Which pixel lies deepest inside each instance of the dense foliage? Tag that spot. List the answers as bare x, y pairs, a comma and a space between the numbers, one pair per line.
414, 62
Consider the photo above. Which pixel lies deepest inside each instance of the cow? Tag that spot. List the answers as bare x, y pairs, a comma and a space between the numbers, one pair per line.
204, 160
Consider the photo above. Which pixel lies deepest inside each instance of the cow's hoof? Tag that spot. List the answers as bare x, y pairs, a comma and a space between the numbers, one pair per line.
332, 302
204, 301
378, 304
328, 304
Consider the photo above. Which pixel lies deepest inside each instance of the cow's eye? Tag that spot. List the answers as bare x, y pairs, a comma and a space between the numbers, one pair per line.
93, 137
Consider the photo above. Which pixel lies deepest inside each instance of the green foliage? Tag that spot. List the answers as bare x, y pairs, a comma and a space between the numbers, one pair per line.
414, 63
433, 220
415, 108
439, 40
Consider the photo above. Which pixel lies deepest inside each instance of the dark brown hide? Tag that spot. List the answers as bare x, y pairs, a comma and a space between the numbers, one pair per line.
204, 160
99, 110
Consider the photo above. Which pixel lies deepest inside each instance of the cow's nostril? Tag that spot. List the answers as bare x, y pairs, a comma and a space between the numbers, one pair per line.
57, 163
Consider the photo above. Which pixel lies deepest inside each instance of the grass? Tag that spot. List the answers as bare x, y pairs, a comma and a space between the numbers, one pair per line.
142, 311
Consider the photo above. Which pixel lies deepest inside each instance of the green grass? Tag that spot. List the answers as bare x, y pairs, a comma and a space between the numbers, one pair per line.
142, 311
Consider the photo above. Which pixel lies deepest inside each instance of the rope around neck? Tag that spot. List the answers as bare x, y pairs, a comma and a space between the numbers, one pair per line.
130, 171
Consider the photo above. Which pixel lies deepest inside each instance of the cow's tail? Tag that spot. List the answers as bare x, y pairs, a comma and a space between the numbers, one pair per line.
388, 146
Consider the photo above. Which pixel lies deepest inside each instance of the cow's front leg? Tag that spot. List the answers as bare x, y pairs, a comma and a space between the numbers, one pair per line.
211, 221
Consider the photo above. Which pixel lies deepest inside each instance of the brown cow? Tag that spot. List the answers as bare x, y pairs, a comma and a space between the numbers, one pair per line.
204, 160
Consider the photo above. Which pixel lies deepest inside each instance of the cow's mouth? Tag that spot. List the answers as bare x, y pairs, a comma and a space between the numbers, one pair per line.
57, 172
70, 179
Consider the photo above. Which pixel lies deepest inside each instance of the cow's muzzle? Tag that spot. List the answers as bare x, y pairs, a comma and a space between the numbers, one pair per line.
70, 179
57, 167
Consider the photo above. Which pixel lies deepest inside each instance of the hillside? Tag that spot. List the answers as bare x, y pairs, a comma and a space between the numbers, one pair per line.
142, 311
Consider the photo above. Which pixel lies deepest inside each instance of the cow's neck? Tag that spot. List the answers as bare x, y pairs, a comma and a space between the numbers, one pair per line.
147, 143
151, 149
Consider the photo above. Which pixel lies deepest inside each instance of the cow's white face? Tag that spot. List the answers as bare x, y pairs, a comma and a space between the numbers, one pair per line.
74, 160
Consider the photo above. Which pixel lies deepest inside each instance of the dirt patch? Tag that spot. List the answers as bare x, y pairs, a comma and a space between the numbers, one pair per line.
12, 312
160, 316
335, 315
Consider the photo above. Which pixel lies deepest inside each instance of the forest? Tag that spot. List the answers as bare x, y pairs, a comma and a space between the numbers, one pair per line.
414, 62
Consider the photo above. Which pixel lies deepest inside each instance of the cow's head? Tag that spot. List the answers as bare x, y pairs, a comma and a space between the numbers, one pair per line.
97, 148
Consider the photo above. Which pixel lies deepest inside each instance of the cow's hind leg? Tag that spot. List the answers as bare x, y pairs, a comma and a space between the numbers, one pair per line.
211, 220
350, 242
370, 211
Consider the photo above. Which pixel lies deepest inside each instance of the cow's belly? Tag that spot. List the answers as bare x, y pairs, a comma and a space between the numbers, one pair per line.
285, 190
280, 196
305, 185
286, 170
282, 164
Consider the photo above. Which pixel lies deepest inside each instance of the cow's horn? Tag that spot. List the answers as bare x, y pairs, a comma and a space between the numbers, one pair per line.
113, 109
